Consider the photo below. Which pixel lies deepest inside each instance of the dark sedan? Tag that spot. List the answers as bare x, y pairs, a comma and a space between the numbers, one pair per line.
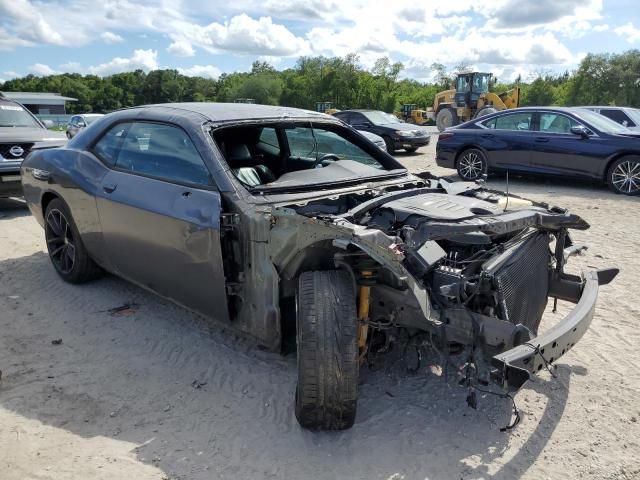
396, 134
545, 140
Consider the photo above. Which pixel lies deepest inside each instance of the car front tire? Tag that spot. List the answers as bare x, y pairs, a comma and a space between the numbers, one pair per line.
327, 345
624, 176
471, 164
66, 250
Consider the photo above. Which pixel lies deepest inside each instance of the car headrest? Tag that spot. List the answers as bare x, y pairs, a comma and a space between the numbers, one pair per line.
238, 152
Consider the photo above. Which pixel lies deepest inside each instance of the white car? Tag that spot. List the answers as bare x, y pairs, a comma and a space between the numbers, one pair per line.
627, 116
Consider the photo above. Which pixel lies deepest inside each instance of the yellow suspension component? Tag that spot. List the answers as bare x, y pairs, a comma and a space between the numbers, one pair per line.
363, 312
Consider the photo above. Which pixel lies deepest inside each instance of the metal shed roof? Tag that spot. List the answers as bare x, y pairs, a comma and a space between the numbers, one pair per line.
26, 97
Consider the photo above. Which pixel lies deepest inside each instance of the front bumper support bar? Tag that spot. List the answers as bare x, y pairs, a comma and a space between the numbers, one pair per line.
514, 367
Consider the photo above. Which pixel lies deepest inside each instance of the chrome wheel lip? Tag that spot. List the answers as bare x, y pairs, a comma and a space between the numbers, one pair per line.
626, 177
470, 166
60, 241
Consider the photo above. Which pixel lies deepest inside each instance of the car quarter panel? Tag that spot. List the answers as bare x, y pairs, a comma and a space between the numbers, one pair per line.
74, 176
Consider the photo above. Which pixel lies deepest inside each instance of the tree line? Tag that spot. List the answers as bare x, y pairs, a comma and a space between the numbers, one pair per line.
602, 79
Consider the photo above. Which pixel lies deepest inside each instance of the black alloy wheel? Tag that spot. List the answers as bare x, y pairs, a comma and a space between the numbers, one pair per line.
60, 241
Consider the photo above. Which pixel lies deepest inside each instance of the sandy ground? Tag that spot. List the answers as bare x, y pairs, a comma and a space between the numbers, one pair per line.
159, 393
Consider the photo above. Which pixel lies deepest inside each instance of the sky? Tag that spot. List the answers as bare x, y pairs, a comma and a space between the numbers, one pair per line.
207, 38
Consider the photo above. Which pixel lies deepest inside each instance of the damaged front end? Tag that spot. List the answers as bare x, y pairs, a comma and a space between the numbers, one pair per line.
471, 268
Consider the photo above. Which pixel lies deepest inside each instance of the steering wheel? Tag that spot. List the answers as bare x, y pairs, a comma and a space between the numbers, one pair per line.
327, 156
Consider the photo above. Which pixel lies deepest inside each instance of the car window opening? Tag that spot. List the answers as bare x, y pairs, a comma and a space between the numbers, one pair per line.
295, 154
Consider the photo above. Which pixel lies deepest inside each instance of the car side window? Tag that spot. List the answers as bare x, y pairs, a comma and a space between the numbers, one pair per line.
511, 121
358, 119
162, 151
618, 116
269, 137
344, 117
310, 144
107, 147
556, 123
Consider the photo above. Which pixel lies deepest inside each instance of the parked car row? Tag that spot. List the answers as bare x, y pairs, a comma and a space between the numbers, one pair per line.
555, 141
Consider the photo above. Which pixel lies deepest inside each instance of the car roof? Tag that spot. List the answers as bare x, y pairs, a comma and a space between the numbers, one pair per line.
222, 112
608, 107
359, 110
524, 109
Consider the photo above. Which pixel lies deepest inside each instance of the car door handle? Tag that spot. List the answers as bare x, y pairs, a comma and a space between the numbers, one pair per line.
110, 187
487, 135
542, 139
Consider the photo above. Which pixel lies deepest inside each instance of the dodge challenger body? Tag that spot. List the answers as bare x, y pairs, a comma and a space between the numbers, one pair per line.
281, 221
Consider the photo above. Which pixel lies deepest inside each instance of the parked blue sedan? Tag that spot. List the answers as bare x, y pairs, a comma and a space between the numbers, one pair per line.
553, 141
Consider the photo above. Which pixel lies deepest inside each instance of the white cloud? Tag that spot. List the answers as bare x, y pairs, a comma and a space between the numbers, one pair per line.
207, 71
181, 48
141, 59
110, 37
71, 67
244, 35
512, 35
41, 69
629, 32
29, 23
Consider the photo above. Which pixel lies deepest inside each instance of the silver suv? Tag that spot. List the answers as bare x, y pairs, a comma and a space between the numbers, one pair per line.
20, 132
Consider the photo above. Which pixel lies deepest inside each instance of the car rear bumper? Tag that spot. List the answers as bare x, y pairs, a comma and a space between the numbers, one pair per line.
10, 185
445, 159
515, 366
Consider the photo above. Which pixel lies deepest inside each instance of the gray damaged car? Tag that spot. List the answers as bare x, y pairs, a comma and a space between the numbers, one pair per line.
286, 224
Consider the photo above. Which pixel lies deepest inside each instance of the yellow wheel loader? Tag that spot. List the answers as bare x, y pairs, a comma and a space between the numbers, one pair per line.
470, 99
411, 114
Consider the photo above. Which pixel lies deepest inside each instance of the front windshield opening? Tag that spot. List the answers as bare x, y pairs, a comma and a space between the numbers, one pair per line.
602, 123
381, 118
15, 116
300, 155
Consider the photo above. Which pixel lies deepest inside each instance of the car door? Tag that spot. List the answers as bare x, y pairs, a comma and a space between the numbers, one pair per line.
73, 125
508, 140
560, 152
160, 215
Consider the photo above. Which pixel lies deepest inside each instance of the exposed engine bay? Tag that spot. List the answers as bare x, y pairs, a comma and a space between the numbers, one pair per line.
481, 265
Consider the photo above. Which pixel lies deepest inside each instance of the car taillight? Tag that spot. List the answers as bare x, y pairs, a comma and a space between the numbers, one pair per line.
444, 136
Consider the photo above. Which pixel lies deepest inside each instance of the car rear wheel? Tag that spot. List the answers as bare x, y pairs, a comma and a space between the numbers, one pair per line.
624, 176
66, 250
445, 118
471, 165
327, 345
68, 136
